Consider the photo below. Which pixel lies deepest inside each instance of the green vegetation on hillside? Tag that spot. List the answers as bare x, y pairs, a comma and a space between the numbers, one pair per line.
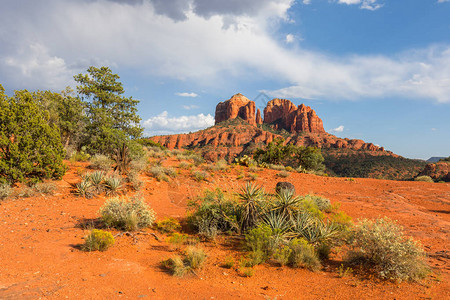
361, 164
309, 158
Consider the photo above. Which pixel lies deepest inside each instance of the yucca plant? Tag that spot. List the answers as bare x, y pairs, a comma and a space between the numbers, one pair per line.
252, 206
84, 189
96, 180
286, 203
279, 223
113, 184
314, 230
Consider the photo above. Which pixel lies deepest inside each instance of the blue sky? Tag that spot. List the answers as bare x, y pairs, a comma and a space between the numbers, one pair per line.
377, 70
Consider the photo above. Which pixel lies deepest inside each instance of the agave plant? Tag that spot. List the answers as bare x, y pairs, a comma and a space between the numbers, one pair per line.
252, 206
96, 180
84, 189
113, 184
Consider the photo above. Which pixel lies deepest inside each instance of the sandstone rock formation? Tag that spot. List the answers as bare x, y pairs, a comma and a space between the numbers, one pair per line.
438, 171
259, 120
236, 106
283, 114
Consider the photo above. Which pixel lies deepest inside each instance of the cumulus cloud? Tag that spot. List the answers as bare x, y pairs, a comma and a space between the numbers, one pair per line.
338, 129
51, 40
185, 94
164, 124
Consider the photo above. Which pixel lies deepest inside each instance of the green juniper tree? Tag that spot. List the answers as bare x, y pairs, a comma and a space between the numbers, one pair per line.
113, 118
66, 112
30, 147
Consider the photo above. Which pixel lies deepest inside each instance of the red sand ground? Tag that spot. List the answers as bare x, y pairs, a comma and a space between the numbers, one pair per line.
40, 258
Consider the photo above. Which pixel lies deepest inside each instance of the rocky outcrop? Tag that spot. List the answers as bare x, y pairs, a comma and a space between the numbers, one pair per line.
438, 171
283, 114
236, 106
259, 120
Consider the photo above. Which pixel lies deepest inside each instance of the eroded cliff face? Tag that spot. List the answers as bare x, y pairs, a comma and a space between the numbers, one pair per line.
283, 114
236, 106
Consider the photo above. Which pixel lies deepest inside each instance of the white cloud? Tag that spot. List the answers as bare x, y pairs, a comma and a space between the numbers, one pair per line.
51, 40
189, 107
164, 124
338, 129
289, 38
442, 1
306, 2
365, 4
193, 95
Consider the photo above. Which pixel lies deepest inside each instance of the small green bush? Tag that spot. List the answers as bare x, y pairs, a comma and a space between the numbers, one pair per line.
381, 247
283, 174
98, 240
125, 214
323, 204
134, 180
200, 175
101, 162
262, 244
246, 272
303, 255
5, 191
213, 213
194, 258
79, 156
161, 173
168, 225
424, 178
46, 188
228, 263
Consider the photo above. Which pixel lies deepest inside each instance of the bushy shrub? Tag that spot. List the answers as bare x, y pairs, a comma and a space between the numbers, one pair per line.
98, 240
323, 204
245, 161
168, 225
46, 188
31, 146
213, 213
161, 173
424, 178
228, 262
200, 175
101, 162
80, 155
262, 243
5, 191
381, 246
194, 258
125, 214
303, 255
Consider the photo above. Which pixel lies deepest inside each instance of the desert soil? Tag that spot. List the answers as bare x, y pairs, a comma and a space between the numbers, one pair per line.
40, 238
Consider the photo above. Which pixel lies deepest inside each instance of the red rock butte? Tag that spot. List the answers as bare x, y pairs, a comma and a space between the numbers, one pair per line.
280, 113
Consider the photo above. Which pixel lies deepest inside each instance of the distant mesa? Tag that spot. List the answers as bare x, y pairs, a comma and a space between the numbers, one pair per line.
280, 113
435, 159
